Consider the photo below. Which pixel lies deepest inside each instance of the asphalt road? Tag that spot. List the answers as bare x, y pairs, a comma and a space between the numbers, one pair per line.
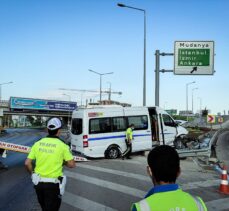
102, 184
16, 192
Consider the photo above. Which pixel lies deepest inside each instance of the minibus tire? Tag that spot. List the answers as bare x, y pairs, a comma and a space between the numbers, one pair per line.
112, 152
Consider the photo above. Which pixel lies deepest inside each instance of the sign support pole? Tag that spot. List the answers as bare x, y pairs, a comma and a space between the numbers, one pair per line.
157, 73
157, 76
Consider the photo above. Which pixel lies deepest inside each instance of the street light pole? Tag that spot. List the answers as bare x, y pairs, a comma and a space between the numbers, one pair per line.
144, 75
200, 103
1, 88
192, 96
68, 110
109, 95
100, 87
187, 97
144, 65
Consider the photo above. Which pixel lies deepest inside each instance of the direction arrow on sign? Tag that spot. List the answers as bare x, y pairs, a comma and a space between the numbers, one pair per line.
194, 69
211, 118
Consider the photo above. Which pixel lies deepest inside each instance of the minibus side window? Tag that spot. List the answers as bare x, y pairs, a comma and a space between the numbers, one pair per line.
118, 124
77, 126
140, 122
99, 125
168, 121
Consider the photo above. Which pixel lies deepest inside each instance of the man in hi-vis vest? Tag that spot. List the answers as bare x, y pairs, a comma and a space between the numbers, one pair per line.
50, 154
128, 140
164, 168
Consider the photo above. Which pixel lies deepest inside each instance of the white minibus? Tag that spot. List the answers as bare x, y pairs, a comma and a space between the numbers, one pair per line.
99, 131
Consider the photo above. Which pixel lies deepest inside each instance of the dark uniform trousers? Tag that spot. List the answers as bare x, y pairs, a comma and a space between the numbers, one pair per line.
128, 149
48, 195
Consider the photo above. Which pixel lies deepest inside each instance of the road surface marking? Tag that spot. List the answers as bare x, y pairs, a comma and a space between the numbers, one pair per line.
200, 184
106, 184
185, 186
132, 161
116, 172
83, 203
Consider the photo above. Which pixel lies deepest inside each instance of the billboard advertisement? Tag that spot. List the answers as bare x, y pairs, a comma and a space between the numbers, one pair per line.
39, 104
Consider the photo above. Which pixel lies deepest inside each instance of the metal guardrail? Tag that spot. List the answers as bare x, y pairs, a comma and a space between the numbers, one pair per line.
208, 151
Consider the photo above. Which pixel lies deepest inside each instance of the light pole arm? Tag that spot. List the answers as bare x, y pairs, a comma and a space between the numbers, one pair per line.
135, 8
95, 72
144, 66
107, 73
1, 88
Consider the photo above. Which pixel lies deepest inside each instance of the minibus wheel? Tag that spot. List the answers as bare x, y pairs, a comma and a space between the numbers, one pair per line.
112, 152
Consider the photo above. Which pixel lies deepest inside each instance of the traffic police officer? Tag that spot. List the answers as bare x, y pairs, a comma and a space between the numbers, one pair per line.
128, 140
164, 168
50, 153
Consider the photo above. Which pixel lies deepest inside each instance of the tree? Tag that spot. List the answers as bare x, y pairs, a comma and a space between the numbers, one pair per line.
205, 112
31, 119
38, 121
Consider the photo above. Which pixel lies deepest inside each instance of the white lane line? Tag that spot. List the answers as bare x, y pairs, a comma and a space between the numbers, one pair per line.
106, 184
200, 184
130, 161
219, 204
185, 186
116, 172
83, 203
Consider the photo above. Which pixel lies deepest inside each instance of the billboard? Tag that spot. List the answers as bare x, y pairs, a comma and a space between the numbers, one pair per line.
40, 104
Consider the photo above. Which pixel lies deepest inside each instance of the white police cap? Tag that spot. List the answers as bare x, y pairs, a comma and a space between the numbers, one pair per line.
54, 124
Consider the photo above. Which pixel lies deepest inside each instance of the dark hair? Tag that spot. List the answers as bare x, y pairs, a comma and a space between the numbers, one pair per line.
53, 132
164, 163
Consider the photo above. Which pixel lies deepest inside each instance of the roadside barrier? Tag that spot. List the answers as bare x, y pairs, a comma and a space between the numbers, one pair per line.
26, 149
224, 188
14, 147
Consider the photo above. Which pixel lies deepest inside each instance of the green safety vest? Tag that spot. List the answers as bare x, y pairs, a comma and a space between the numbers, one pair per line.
171, 201
129, 133
49, 153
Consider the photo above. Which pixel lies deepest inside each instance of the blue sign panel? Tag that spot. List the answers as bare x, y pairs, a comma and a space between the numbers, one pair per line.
38, 104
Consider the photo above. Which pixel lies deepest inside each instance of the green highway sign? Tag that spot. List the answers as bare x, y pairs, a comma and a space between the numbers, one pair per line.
194, 57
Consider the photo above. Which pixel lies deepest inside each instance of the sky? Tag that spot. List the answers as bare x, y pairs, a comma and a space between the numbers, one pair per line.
50, 44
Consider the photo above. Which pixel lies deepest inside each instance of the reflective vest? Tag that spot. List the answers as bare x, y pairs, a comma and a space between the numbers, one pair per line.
49, 153
129, 133
171, 201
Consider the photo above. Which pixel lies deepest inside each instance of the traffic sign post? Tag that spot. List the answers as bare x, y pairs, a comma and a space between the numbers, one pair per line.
190, 58
194, 57
220, 120
211, 119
